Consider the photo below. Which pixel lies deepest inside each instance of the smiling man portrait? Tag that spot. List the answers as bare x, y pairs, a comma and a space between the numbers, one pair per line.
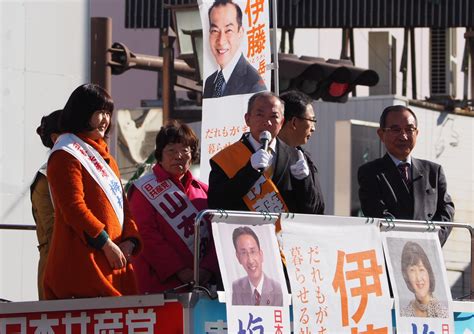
256, 288
234, 75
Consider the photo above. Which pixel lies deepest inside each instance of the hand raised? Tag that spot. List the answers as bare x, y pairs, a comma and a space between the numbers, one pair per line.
260, 160
300, 169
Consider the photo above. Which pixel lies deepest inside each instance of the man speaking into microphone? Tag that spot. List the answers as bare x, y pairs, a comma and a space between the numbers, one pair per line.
260, 172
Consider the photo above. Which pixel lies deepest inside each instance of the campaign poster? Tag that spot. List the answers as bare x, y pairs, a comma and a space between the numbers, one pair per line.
337, 275
237, 55
256, 294
423, 301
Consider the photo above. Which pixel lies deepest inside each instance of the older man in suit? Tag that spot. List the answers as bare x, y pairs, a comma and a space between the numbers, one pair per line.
245, 176
256, 288
399, 185
235, 75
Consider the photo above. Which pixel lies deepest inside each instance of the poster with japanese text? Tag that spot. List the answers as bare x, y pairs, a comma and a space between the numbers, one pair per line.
256, 295
419, 282
337, 275
236, 55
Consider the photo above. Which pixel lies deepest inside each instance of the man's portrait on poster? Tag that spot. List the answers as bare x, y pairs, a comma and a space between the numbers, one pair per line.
255, 288
234, 74
420, 283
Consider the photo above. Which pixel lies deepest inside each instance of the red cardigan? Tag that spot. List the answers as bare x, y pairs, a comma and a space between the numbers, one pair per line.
74, 268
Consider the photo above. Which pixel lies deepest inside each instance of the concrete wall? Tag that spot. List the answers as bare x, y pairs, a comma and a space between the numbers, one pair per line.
45, 55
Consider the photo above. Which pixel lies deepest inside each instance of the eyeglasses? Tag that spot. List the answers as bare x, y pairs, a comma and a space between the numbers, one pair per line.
252, 253
395, 130
314, 120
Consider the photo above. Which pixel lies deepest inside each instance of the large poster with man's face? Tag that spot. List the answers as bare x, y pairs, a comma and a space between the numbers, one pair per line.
236, 47
256, 294
419, 282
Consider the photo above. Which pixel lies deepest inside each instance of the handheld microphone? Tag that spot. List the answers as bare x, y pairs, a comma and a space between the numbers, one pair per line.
265, 138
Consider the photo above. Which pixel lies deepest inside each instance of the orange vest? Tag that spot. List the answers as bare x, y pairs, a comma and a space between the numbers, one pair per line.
264, 195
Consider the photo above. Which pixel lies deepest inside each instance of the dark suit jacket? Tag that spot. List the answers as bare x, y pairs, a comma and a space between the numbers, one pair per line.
242, 293
381, 190
319, 200
243, 80
226, 193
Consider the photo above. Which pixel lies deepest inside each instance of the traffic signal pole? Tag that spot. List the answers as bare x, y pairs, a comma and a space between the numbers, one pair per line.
274, 49
116, 58
101, 41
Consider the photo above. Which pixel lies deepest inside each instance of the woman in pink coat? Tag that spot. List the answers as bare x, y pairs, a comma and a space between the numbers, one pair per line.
165, 203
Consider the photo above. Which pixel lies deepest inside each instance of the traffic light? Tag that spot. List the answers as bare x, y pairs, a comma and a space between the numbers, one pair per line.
330, 80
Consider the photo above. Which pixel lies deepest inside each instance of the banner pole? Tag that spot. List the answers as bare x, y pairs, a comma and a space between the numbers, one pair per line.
274, 48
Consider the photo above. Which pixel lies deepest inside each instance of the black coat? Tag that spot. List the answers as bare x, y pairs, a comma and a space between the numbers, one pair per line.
243, 80
381, 190
226, 193
319, 199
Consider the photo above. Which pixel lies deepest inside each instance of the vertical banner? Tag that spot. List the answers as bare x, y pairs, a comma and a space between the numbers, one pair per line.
337, 275
236, 47
423, 301
256, 295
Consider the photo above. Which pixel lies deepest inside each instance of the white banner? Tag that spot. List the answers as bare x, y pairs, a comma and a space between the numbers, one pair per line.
236, 43
337, 275
423, 301
256, 295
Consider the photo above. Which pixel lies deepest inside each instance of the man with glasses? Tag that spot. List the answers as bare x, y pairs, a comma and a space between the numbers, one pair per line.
247, 177
256, 288
398, 185
298, 126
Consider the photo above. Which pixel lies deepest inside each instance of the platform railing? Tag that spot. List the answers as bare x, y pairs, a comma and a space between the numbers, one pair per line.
386, 224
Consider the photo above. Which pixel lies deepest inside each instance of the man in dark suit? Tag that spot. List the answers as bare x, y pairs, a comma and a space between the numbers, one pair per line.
256, 288
298, 126
246, 177
235, 74
399, 185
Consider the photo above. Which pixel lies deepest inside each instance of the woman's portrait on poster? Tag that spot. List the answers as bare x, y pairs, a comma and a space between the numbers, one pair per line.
420, 280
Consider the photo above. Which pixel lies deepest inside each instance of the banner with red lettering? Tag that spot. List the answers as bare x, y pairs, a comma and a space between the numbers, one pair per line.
236, 59
423, 301
125, 315
337, 275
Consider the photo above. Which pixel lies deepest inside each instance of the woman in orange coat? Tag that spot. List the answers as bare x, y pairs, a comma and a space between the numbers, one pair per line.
94, 234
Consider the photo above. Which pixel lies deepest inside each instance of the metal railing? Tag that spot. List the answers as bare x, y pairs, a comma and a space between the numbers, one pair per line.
17, 227
266, 218
386, 224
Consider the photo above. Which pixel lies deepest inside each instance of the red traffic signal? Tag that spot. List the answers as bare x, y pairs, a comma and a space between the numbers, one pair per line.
330, 80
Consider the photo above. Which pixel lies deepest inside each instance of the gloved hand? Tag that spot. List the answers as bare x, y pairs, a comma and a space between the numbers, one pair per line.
260, 160
300, 169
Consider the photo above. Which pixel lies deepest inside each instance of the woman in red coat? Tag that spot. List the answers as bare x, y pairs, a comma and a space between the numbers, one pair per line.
94, 233
165, 203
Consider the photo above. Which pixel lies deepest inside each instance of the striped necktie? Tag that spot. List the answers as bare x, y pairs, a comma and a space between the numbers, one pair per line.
403, 168
218, 87
256, 297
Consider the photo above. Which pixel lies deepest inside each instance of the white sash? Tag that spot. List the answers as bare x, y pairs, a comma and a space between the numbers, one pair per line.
97, 167
173, 205
43, 169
